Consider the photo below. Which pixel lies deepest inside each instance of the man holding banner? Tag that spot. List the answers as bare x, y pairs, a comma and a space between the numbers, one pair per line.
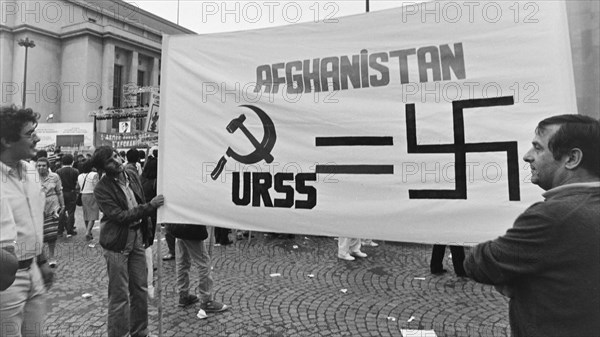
125, 233
396, 119
548, 263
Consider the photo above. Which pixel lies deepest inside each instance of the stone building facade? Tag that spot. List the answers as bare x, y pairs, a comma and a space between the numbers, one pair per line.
85, 54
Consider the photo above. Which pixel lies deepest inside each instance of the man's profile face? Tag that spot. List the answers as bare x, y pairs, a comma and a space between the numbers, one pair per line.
113, 165
546, 172
24, 148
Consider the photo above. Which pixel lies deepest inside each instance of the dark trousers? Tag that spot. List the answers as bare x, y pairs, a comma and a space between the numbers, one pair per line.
170, 242
437, 259
66, 221
222, 235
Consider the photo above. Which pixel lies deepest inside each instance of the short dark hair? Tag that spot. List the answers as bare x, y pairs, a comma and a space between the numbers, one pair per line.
85, 166
575, 131
67, 159
43, 160
12, 120
40, 154
133, 156
101, 155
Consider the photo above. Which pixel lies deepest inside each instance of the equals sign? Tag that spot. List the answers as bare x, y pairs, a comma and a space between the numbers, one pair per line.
355, 141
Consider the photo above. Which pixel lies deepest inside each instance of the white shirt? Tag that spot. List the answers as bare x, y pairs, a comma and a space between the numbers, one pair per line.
22, 202
90, 182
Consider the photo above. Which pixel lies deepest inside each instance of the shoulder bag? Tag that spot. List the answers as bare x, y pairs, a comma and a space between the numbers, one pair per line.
79, 202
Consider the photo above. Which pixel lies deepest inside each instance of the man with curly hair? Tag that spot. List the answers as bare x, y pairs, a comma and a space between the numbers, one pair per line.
125, 233
23, 303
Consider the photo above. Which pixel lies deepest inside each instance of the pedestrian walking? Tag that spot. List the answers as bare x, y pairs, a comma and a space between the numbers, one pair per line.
55, 205
68, 177
87, 181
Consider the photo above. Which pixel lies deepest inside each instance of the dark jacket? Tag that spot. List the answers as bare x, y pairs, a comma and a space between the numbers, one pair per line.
117, 215
188, 232
548, 264
68, 178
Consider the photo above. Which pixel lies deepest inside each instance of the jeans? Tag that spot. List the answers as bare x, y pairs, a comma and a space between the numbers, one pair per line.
185, 252
127, 288
23, 304
66, 221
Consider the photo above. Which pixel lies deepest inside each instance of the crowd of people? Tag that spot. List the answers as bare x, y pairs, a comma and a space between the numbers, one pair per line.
547, 264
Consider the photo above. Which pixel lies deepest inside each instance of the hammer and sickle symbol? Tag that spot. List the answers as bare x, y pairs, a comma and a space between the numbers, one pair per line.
262, 149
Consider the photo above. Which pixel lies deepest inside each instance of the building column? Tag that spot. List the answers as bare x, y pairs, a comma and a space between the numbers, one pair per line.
132, 80
108, 81
155, 73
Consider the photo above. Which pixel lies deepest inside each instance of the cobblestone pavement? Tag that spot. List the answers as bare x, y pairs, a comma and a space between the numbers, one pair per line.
316, 294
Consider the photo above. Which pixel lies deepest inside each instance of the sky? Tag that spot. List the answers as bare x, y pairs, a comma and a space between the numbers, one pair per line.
205, 17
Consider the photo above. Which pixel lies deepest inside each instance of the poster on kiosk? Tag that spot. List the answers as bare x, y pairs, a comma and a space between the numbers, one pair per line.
408, 124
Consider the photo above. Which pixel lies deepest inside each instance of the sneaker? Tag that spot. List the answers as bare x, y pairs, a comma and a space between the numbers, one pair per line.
52, 263
213, 306
185, 300
346, 257
73, 232
358, 253
438, 271
370, 243
168, 257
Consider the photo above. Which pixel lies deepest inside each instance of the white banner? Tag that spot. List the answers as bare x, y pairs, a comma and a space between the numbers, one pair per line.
77, 136
407, 124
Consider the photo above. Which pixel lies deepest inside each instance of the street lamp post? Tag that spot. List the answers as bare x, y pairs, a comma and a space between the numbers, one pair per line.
27, 43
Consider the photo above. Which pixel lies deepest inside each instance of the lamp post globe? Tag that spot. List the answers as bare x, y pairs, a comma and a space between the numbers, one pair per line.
27, 43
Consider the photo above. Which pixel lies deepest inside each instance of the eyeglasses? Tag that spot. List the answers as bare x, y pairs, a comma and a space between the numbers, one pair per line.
30, 134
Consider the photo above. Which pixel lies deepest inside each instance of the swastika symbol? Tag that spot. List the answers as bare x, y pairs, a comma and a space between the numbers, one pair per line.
460, 149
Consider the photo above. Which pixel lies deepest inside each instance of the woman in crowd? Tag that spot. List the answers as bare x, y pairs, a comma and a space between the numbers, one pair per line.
55, 204
87, 181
